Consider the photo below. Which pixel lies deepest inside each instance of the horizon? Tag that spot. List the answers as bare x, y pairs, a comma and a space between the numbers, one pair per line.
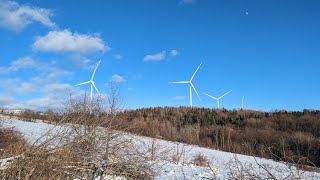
266, 52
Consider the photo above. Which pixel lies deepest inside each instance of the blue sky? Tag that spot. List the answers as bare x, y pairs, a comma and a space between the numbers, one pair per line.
266, 51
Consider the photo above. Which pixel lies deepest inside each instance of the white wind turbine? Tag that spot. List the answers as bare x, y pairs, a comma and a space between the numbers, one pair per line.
92, 85
242, 102
191, 85
218, 97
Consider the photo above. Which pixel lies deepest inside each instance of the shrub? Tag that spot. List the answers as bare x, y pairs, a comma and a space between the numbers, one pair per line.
200, 160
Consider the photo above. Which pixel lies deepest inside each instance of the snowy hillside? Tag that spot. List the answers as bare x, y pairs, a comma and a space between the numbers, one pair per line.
223, 165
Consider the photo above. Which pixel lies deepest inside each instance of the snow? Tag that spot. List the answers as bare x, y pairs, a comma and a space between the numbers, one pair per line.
223, 165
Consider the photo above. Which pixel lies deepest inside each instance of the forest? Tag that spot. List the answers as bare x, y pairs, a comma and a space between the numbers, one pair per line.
281, 135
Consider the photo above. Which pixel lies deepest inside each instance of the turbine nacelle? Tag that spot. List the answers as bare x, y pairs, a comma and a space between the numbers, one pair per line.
217, 99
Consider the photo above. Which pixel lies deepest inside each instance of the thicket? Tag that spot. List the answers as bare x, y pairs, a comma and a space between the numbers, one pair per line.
74, 151
281, 135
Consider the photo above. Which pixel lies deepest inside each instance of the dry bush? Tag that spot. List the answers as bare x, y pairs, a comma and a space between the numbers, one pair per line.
12, 143
179, 153
111, 152
43, 164
200, 160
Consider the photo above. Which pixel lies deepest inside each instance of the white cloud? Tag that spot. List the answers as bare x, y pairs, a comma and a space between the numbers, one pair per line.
59, 73
25, 62
174, 52
179, 98
117, 56
38, 104
130, 89
5, 99
25, 87
117, 79
50, 71
185, 2
54, 97
82, 62
155, 57
17, 86
33, 80
66, 41
16, 17
21, 63
37, 88
57, 88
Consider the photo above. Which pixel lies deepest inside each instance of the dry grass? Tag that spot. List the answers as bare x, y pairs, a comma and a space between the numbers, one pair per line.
12, 143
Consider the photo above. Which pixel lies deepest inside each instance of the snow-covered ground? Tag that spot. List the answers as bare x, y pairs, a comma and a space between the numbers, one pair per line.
223, 165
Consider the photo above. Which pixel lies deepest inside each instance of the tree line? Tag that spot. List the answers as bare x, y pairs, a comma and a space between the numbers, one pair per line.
281, 135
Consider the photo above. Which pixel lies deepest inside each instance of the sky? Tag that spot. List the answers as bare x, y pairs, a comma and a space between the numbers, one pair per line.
266, 51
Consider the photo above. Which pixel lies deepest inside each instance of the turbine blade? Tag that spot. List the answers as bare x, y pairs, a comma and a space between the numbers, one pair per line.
211, 96
195, 90
225, 94
95, 87
195, 72
179, 82
94, 72
82, 83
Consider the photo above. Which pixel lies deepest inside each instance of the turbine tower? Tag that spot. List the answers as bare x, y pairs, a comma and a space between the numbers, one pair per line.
242, 102
92, 85
218, 103
191, 85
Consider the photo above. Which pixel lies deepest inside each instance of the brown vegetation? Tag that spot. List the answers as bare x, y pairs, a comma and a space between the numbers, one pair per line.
87, 151
280, 135
11, 144
287, 136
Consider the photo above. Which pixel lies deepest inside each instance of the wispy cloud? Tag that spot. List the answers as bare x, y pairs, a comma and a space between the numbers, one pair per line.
179, 98
38, 104
117, 56
5, 100
82, 62
185, 2
18, 86
161, 56
56, 87
174, 52
49, 96
29, 63
41, 91
67, 42
21, 63
15, 17
155, 57
117, 79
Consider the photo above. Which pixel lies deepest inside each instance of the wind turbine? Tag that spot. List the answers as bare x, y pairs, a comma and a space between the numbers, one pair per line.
191, 85
92, 85
218, 97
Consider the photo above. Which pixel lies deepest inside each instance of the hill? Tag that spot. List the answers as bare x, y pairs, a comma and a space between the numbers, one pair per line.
173, 160
280, 135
